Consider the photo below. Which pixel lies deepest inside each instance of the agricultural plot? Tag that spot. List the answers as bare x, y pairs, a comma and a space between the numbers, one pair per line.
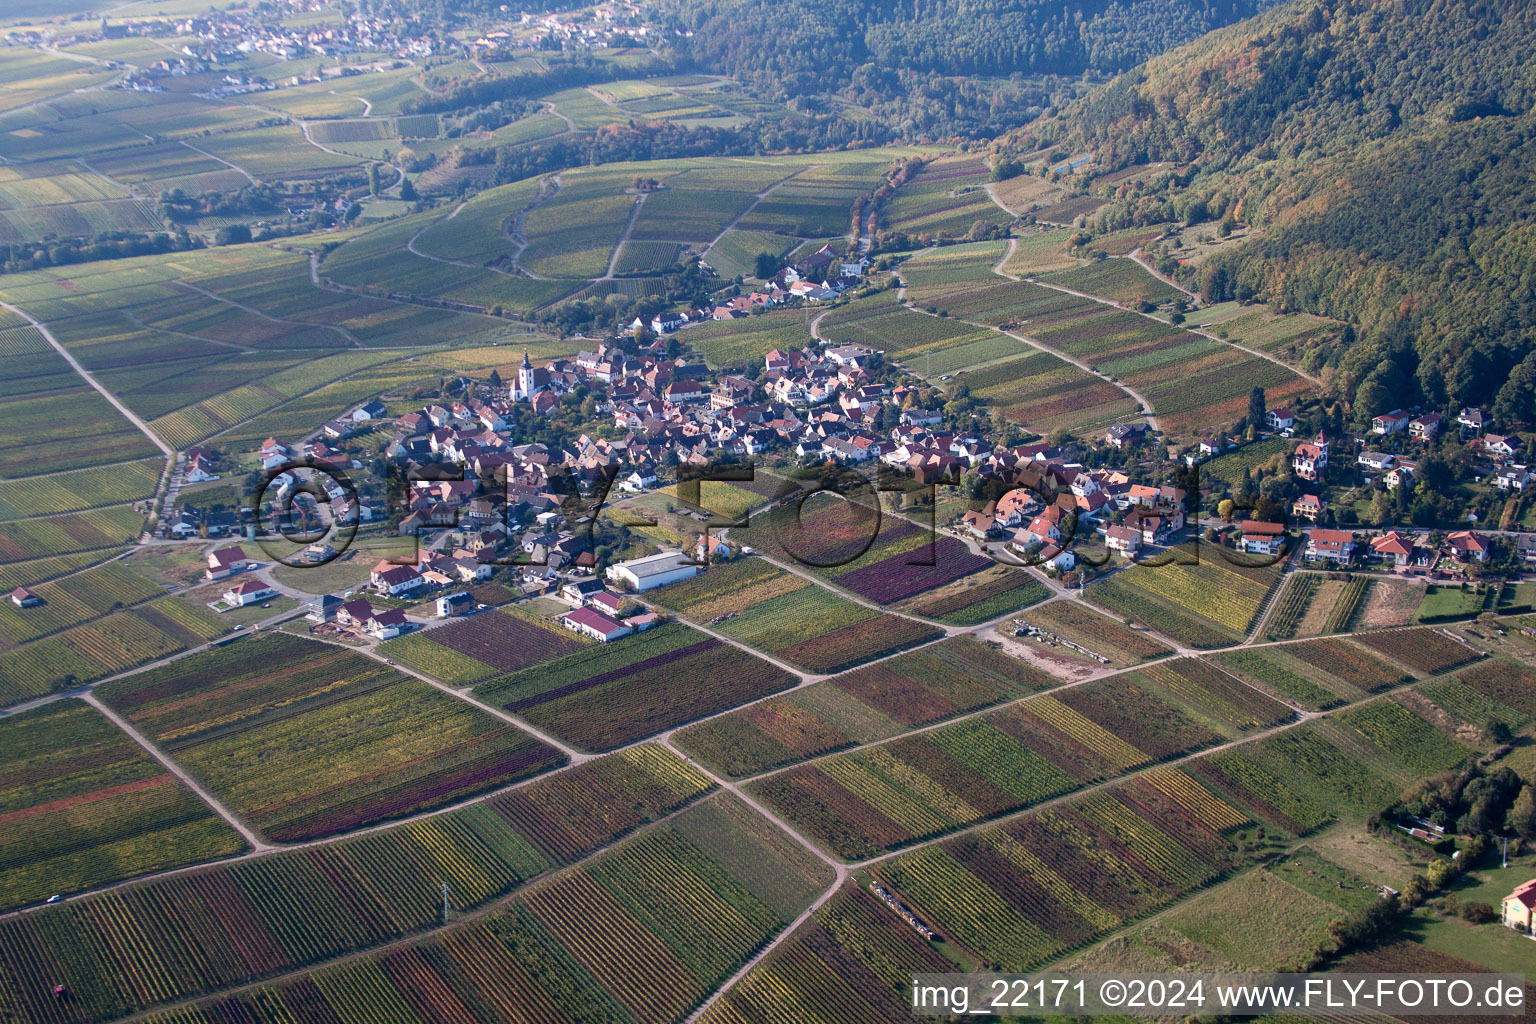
1024, 893
735, 253
935, 275
82, 805
1313, 604
476, 232
882, 797
740, 343
790, 618
573, 233
1491, 691
1124, 280
115, 643
243, 921
782, 730
606, 695
977, 597
1299, 779
53, 420
905, 573
1256, 922
81, 489
480, 646
852, 962
1415, 746
1039, 252
1427, 651
1293, 680
1348, 662
1213, 696
307, 740
1075, 621
1044, 393
680, 213
76, 599
277, 153
93, 530
1208, 604
1288, 335
947, 199
642, 933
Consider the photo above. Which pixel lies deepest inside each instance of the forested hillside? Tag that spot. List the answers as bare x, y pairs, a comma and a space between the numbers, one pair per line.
871, 51
1383, 153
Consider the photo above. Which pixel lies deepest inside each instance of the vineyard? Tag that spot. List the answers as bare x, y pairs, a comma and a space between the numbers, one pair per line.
1406, 739
639, 935
882, 797
1208, 604
1272, 667
1350, 664
476, 648
93, 530
238, 922
607, 695
114, 643
905, 574
1348, 602
82, 804
1078, 623
68, 602
794, 620
979, 597
306, 740
1211, 694
1291, 605
1424, 650
81, 489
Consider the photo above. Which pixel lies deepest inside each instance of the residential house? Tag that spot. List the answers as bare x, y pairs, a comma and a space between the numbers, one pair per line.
1125, 435
1399, 475
397, 580
1512, 478
1260, 538
1390, 422
1330, 546
1473, 420
979, 524
1502, 447
1424, 428
1467, 546
1310, 459
225, 562
1519, 909
1061, 559
1123, 540
371, 410
1394, 548
249, 592
1308, 506
594, 624
1377, 461
1280, 419
459, 603
354, 614
1525, 548
382, 625
323, 608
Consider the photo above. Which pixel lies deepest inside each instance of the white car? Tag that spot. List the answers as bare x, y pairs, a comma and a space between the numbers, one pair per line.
56, 898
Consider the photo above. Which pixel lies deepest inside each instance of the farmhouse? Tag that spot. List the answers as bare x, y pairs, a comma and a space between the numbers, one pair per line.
249, 592
594, 624
21, 597
1519, 906
644, 574
225, 562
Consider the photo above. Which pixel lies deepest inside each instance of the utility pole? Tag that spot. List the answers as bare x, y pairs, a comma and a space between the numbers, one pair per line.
1505, 863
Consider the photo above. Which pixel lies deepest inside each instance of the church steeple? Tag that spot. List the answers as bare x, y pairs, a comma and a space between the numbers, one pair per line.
526, 364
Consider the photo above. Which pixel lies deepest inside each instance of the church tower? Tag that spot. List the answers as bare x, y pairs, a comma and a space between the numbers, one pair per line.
525, 379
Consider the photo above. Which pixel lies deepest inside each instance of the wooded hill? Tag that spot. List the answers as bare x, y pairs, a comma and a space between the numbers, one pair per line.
1383, 153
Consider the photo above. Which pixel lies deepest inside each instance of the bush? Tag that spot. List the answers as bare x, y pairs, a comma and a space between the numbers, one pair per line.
1477, 913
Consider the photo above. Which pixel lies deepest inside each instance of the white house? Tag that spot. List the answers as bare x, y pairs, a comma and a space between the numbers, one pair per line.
458, 603
644, 574
225, 562
249, 592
